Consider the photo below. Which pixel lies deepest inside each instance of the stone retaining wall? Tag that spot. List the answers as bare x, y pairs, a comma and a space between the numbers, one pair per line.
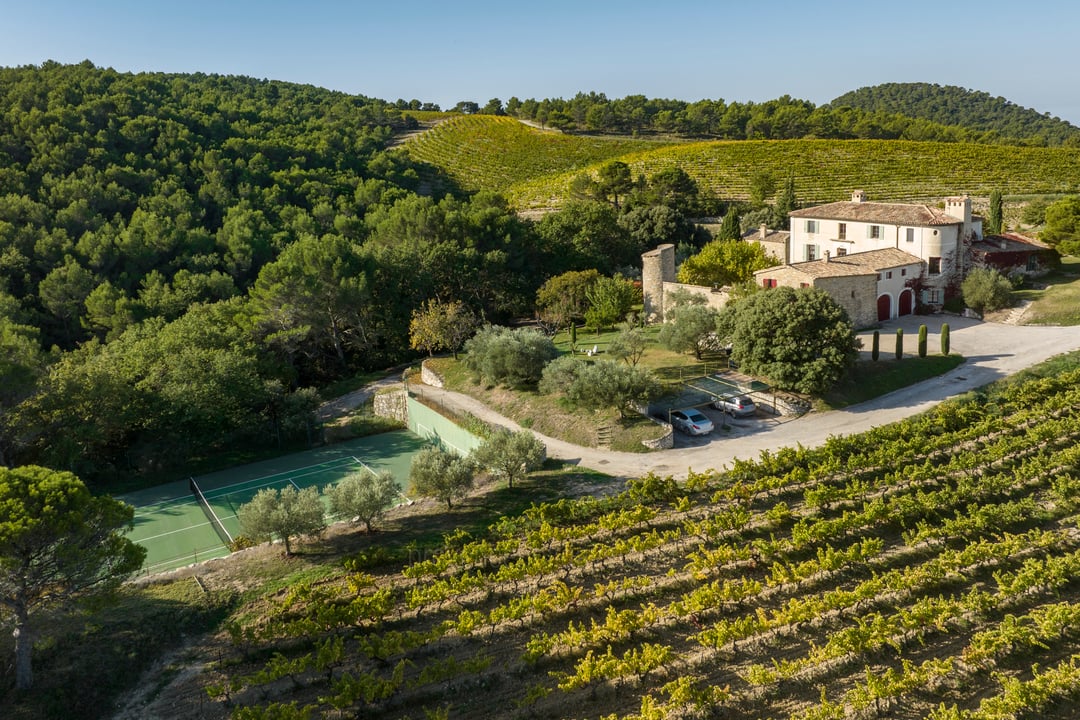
429, 376
392, 404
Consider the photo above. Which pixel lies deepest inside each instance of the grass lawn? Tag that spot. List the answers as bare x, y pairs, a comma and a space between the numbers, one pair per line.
1059, 302
870, 379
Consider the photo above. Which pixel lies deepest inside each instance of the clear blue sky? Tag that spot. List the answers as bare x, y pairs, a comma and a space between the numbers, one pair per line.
446, 51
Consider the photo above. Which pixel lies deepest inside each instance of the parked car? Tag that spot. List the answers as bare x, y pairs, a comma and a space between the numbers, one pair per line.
691, 422
740, 406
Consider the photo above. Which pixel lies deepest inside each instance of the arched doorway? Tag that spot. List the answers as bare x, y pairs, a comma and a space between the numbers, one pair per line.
884, 307
907, 298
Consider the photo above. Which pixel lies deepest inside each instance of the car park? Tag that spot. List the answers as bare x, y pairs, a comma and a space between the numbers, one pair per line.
739, 406
691, 422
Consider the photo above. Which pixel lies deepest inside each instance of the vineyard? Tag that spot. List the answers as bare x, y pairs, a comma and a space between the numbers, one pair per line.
926, 569
534, 168
488, 152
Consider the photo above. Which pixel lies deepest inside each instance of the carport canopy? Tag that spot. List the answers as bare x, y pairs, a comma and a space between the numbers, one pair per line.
707, 389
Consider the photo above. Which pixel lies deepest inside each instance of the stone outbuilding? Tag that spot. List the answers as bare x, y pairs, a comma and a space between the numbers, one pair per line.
871, 286
1013, 253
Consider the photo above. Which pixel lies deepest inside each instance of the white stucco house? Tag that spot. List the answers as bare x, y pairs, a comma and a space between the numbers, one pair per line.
933, 243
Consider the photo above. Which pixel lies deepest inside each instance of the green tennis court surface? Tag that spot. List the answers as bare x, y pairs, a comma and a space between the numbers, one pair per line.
177, 531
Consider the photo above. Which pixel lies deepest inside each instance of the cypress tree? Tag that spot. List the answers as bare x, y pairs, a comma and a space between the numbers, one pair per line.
994, 216
945, 339
922, 341
729, 227
874, 352
899, 343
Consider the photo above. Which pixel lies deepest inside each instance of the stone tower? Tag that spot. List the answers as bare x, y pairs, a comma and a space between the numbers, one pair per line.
657, 268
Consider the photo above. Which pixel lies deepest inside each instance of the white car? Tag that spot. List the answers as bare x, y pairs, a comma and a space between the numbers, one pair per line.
741, 406
691, 421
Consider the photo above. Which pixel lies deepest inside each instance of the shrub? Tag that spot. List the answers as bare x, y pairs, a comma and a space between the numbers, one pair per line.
945, 339
986, 290
922, 341
513, 358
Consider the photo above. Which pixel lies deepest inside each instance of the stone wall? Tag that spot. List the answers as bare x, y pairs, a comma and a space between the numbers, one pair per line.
857, 294
392, 404
665, 441
716, 298
429, 376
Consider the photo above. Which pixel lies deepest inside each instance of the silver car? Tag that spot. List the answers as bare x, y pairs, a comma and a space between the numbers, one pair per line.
741, 406
691, 421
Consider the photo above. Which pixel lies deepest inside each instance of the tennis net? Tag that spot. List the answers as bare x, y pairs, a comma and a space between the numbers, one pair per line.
226, 538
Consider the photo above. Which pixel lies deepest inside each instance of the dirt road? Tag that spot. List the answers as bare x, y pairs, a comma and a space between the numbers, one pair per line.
993, 351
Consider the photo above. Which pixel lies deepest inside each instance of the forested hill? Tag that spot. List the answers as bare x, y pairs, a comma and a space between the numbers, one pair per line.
784, 118
184, 257
956, 106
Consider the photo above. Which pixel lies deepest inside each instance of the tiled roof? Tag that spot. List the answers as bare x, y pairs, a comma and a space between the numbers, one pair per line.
1013, 242
771, 236
864, 263
875, 212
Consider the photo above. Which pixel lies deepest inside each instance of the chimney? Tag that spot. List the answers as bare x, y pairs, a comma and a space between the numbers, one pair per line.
764, 230
858, 196
826, 255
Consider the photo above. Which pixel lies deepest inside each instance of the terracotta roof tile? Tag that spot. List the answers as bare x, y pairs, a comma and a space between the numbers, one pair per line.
875, 212
864, 263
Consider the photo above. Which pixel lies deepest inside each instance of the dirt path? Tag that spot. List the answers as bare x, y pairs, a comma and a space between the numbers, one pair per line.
993, 351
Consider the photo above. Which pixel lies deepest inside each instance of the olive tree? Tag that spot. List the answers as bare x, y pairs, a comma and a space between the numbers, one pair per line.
514, 358
58, 544
442, 475
986, 290
284, 514
511, 455
363, 495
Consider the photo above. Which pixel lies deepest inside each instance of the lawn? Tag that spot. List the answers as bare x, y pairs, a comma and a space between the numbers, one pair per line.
870, 379
1058, 303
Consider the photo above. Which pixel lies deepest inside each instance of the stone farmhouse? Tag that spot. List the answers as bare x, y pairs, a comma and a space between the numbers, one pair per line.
871, 257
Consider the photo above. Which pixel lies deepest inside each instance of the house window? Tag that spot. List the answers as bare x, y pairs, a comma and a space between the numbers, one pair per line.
934, 266
879, 276
841, 252
841, 232
811, 252
811, 227
873, 232
888, 274
804, 285
903, 272
1032, 263
933, 297
768, 282
911, 235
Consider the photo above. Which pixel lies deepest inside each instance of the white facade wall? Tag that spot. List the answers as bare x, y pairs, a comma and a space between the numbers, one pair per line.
926, 243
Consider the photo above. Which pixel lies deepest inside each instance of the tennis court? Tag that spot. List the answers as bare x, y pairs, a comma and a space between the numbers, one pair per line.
190, 521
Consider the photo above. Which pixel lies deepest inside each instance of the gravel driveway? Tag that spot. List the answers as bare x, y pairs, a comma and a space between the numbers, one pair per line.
993, 351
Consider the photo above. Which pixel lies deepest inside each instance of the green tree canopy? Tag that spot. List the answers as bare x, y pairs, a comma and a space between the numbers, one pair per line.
610, 299
799, 339
600, 384
511, 357
363, 495
58, 543
563, 299
509, 455
689, 325
1062, 228
986, 290
441, 326
725, 262
441, 475
284, 513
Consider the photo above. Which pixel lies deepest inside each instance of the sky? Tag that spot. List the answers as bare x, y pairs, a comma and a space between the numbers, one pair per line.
446, 51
